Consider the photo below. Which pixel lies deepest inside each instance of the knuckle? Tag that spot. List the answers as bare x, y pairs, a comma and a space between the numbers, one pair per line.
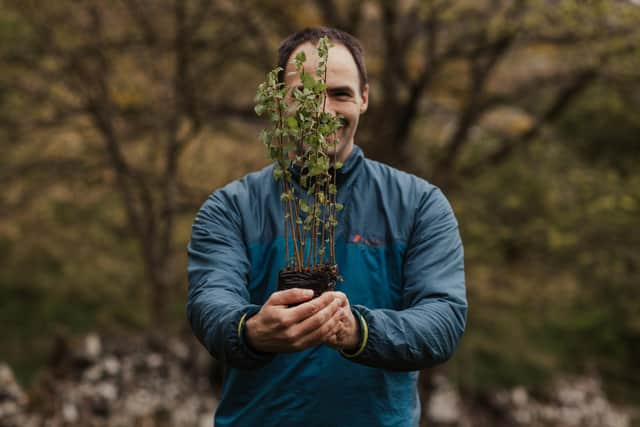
273, 298
313, 307
268, 317
338, 306
325, 318
328, 327
343, 298
286, 321
290, 335
329, 297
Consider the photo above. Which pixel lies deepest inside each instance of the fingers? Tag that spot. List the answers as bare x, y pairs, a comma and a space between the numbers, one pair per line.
305, 325
320, 334
320, 319
317, 320
308, 309
346, 332
290, 296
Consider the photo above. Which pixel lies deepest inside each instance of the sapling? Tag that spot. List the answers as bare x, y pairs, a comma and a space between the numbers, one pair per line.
298, 142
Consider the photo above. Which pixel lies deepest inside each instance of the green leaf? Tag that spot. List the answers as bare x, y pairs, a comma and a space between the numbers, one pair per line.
308, 81
338, 165
292, 122
339, 207
264, 137
277, 172
316, 170
304, 206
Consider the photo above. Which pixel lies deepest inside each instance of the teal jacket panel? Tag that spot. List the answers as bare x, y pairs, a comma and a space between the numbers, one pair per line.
399, 251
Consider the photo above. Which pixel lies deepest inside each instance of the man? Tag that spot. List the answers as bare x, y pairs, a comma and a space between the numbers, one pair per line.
346, 358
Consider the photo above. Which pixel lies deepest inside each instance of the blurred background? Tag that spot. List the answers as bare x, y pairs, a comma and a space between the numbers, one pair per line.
118, 119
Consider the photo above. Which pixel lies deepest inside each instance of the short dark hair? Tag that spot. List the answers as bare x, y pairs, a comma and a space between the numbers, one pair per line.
313, 35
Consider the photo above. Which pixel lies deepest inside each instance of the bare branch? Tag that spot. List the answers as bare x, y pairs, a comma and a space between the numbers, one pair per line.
559, 104
140, 17
480, 70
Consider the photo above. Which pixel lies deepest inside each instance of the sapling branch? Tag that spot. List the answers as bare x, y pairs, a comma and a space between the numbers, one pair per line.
300, 127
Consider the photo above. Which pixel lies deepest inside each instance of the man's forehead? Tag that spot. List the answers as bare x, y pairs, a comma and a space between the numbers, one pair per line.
341, 67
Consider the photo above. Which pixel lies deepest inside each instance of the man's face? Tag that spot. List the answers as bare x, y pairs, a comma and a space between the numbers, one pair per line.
343, 91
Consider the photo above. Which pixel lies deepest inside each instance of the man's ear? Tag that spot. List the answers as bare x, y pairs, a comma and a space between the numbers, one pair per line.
365, 99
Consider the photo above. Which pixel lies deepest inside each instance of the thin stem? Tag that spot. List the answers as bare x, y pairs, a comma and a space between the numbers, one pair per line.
293, 218
332, 209
286, 234
326, 189
285, 182
314, 233
324, 221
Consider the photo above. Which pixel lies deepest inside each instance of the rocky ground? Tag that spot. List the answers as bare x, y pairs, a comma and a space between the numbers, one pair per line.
92, 384
153, 383
569, 402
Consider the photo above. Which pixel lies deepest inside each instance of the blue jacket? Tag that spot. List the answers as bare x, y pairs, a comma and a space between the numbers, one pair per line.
399, 251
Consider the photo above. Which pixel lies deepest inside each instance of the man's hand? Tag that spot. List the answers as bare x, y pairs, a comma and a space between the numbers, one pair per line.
278, 328
347, 336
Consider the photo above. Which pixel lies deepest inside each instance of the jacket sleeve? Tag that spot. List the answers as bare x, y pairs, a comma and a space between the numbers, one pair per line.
218, 297
427, 330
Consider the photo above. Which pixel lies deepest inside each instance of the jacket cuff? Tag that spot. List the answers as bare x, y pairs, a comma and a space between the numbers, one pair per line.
246, 356
364, 336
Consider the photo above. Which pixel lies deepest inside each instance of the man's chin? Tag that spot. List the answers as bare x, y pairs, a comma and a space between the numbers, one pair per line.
341, 151
333, 148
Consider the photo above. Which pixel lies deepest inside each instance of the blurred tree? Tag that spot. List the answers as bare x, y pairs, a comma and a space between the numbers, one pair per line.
136, 79
143, 78
525, 110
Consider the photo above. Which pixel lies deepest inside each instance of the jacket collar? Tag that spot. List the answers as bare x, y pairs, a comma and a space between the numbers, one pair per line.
352, 164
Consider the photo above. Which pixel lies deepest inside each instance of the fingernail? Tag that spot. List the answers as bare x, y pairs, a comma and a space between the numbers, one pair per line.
308, 293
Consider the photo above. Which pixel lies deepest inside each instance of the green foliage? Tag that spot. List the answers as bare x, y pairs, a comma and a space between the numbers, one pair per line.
552, 258
298, 136
62, 288
604, 128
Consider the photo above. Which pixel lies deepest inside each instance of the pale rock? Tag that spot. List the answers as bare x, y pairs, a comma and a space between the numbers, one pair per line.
111, 365
444, 404
154, 360
179, 349
93, 374
519, 396
107, 390
92, 346
70, 413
